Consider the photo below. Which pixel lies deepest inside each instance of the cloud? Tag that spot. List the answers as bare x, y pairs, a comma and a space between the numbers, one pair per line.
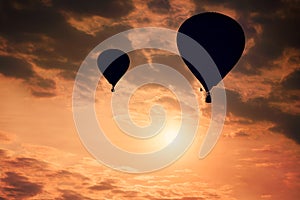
104, 185
271, 28
125, 193
55, 36
15, 67
70, 194
42, 94
61, 49
20, 21
19, 187
258, 109
292, 81
57, 181
86, 179
2, 153
68, 176
159, 13
19, 68
42, 87
159, 6
26, 162
45, 83
192, 198
109, 9
55, 43
50, 41
241, 134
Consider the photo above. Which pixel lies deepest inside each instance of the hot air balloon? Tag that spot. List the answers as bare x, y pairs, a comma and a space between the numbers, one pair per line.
221, 36
113, 63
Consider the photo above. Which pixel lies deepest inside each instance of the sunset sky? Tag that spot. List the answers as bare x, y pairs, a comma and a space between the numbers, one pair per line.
42, 45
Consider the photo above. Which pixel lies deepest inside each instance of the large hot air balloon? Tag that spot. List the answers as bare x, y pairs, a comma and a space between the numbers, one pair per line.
116, 63
221, 36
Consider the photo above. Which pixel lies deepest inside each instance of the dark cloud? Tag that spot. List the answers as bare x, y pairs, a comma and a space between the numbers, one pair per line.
42, 87
21, 20
105, 185
278, 34
259, 109
19, 187
182, 198
192, 198
14, 67
159, 6
292, 81
64, 174
41, 31
46, 83
65, 46
68, 74
280, 27
241, 134
287, 91
24, 18
2, 153
24, 162
71, 47
274, 27
42, 94
18, 68
105, 8
249, 6
126, 193
69, 194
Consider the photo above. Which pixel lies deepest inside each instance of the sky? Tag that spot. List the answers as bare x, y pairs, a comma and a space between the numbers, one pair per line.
42, 45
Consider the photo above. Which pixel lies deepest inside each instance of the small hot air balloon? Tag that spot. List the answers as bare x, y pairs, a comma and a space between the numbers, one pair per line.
221, 36
116, 63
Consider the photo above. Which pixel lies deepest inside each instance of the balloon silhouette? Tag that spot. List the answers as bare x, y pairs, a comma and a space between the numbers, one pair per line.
113, 63
221, 36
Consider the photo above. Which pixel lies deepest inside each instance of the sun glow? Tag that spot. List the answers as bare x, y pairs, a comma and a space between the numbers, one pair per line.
169, 133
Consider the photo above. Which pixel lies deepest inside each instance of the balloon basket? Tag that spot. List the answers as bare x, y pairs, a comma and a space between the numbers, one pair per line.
208, 98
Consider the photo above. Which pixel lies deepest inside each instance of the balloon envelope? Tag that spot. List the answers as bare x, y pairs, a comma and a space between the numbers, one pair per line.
113, 63
221, 36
